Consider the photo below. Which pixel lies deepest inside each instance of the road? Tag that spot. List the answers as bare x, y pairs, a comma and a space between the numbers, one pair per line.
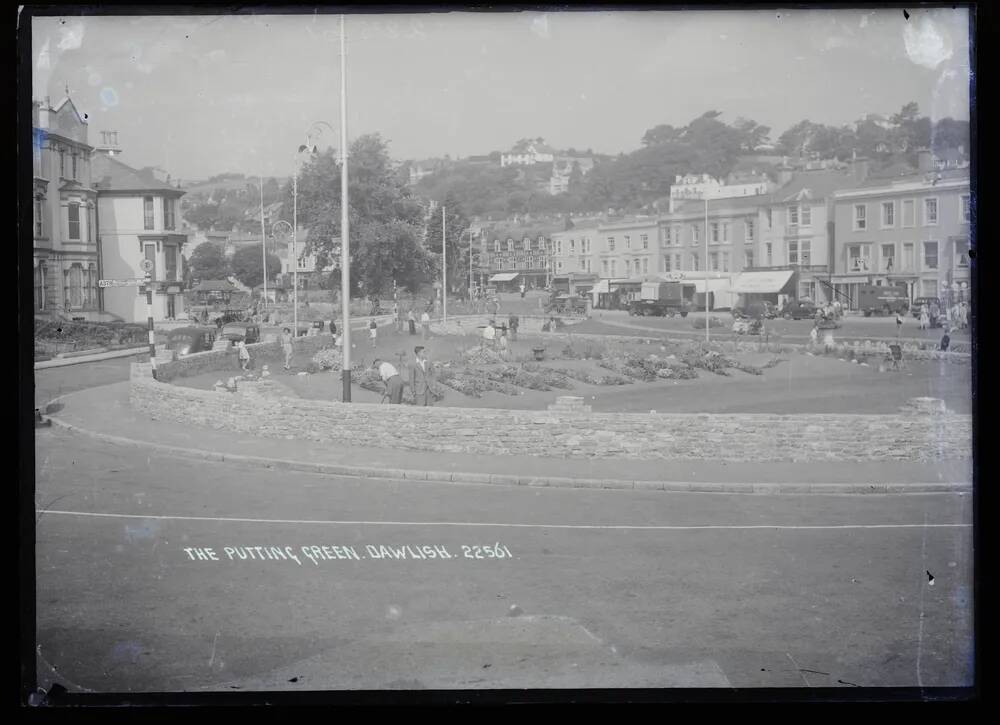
601, 589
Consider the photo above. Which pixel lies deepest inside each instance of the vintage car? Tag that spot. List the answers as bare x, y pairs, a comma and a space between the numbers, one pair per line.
188, 340
246, 331
799, 310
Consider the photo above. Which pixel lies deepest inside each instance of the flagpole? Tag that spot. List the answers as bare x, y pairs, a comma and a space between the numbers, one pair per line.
706, 269
263, 241
345, 255
444, 269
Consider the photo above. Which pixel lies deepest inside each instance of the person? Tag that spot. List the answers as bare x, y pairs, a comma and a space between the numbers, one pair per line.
425, 323
945, 340
489, 334
512, 323
244, 355
373, 332
502, 341
286, 345
925, 319
393, 383
398, 316
828, 342
420, 377
838, 309
522, 290
963, 315
333, 328
899, 323
814, 335
411, 321
935, 314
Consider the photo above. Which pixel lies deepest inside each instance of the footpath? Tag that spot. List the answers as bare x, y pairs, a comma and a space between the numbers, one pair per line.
104, 413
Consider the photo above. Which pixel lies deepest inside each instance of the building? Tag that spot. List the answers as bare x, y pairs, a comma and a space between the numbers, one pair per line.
796, 228
529, 155
562, 170
912, 230
66, 260
138, 216
515, 256
698, 186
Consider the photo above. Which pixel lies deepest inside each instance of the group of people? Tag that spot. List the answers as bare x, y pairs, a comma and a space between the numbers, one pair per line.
496, 337
420, 374
830, 311
956, 316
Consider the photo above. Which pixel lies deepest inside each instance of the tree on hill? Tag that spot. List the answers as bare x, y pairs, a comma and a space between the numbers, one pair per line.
208, 261
949, 134
247, 266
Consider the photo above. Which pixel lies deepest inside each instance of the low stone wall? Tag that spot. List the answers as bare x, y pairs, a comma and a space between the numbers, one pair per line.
567, 429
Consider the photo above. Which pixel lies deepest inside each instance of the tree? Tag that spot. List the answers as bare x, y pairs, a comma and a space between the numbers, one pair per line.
247, 266
752, 134
662, 134
208, 261
949, 134
457, 239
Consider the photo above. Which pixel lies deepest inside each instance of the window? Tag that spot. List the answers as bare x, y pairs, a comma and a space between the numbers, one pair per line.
62, 163
962, 253
806, 290
645, 240
586, 245
73, 159
694, 233
147, 208
559, 246
725, 231
628, 242
677, 261
930, 212
907, 264
614, 271
168, 213
929, 287
150, 254
170, 262
768, 214
793, 216
604, 268
91, 288
666, 263
645, 266
583, 265
588, 266
510, 245
611, 244
747, 258
74, 221
857, 258
91, 222
888, 254
888, 214
965, 208
725, 261
39, 211
860, 214
715, 231
798, 252
713, 261
806, 215
909, 217
74, 286
559, 266
572, 246
768, 253
694, 261
750, 231
930, 255
496, 245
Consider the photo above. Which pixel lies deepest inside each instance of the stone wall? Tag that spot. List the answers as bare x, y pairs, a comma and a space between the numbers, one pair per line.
567, 429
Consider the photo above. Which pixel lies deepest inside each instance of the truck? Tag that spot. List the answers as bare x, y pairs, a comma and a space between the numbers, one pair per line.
886, 300
662, 299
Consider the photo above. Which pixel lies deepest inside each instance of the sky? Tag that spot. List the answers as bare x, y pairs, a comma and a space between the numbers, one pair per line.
204, 95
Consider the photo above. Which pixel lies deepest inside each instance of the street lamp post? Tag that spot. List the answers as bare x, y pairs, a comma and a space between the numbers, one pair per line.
345, 257
707, 316
444, 268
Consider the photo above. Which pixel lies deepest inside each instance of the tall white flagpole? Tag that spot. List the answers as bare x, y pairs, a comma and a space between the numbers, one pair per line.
263, 241
345, 245
444, 269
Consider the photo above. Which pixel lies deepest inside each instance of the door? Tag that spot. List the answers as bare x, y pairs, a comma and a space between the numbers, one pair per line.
171, 314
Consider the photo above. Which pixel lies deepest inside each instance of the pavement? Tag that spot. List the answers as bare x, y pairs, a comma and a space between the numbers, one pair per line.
104, 413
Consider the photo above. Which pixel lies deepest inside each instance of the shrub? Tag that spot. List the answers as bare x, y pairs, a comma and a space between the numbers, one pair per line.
699, 323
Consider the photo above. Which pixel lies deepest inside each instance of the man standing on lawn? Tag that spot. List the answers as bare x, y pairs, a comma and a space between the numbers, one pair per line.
393, 382
420, 377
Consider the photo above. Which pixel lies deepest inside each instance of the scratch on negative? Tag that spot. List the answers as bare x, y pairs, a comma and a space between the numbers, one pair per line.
920, 627
214, 641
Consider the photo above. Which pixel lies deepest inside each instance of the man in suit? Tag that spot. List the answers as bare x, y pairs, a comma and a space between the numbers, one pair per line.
421, 377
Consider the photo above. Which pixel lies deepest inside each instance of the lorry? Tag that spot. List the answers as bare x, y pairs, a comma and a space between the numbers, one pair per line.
662, 298
886, 300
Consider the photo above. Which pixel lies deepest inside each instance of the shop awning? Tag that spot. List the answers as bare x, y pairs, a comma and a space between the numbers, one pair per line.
504, 277
601, 287
776, 282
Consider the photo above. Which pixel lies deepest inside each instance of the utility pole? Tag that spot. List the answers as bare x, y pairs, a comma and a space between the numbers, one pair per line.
263, 242
444, 268
345, 255
707, 334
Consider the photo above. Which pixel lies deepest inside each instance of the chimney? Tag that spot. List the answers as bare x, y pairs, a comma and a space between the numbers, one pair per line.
925, 161
859, 168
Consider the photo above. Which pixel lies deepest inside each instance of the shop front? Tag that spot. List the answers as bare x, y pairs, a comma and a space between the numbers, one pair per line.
773, 286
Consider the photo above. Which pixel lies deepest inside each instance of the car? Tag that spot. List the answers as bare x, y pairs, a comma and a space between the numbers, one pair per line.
757, 309
245, 331
799, 310
189, 340
919, 302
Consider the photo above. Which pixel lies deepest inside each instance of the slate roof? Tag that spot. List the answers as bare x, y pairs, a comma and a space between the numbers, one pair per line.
821, 183
110, 174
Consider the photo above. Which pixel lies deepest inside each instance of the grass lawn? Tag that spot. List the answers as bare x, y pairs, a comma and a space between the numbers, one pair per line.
800, 383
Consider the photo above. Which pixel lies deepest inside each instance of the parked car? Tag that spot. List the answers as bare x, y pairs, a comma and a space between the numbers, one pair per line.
921, 301
758, 309
799, 310
188, 340
245, 331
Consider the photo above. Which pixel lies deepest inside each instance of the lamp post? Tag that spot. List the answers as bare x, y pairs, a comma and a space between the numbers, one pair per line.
444, 268
707, 316
345, 258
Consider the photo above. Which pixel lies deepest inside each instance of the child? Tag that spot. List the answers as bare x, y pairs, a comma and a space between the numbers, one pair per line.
286, 345
503, 344
244, 355
373, 331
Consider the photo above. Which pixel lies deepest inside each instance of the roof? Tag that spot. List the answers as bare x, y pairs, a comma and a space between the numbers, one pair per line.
504, 277
688, 206
109, 174
821, 183
916, 177
214, 285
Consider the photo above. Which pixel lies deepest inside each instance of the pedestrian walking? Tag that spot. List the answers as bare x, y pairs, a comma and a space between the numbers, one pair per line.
244, 355
397, 315
945, 341
393, 382
522, 290
286, 346
425, 323
421, 377
925, 318
502, 342
411, 321
373, 332
512, 323
814, 335
899, 323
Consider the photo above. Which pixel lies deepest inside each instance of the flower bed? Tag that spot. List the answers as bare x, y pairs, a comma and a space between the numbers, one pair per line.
550, 377
588, 378
472, 384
